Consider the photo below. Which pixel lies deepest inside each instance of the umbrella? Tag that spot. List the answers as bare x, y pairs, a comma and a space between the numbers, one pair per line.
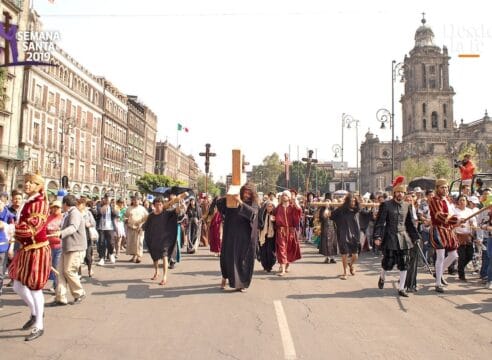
161, 190
176, 190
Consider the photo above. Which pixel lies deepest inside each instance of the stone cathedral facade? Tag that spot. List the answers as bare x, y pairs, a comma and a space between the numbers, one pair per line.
428, 126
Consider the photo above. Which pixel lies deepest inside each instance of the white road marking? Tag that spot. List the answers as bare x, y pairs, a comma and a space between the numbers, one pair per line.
289, 350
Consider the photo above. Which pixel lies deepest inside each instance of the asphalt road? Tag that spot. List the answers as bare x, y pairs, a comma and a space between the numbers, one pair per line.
309, 314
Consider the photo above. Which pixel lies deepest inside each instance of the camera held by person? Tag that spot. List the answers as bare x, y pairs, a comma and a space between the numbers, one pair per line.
457, 163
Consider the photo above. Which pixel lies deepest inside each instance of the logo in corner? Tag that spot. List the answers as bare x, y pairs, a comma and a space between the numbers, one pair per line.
37, 45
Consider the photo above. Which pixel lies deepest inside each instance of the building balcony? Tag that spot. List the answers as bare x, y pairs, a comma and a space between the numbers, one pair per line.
13, 153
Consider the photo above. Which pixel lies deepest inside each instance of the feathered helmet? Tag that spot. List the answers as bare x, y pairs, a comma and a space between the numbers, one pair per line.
34, 177
441, 182
398, 184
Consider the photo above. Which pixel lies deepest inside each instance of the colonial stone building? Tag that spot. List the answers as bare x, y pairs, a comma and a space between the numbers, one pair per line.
61, 122
172, 162
150, 140
114, 138
74, 124
429, 127
135, 152
13, 159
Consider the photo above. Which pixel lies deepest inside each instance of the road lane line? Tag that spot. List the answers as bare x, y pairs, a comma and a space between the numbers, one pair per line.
289, 350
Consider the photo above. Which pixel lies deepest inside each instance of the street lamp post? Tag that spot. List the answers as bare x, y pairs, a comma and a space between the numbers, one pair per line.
384, 116
347, 121
337, 149
67, 125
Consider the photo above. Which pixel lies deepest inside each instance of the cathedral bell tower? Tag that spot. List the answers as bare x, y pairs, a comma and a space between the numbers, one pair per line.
427, 104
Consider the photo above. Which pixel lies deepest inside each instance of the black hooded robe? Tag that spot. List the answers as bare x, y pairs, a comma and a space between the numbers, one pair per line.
240, 235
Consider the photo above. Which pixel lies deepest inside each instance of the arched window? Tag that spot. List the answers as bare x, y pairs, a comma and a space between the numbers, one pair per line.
424, 109
445, 123
424, 124
444, 109
434, 123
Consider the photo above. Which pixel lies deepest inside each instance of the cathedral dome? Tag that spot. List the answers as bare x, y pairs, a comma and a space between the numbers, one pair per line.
424, 36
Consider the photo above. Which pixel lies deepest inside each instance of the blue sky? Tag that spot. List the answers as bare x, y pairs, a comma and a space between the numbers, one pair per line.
260, 75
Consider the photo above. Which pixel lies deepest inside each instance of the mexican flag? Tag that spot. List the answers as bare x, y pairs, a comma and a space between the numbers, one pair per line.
181, 127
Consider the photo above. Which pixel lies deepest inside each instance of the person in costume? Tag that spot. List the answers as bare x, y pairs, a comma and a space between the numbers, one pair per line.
31, 265
442, 236
161, 232
309, 214
395, 233
215, 228
328, 236
348, 232
287, 217
266, 225
194, 214
134, 218
240, 235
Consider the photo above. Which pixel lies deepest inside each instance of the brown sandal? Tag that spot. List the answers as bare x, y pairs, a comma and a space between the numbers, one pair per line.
352, 269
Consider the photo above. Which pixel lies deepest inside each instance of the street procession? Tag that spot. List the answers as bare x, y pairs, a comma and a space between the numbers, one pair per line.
236, 212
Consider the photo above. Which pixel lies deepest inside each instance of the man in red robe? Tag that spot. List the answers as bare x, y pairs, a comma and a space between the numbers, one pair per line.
31, 265
442, 236
287, 219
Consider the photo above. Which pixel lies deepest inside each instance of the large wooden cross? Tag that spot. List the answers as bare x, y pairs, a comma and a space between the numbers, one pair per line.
237, 169
207, 155
309, 160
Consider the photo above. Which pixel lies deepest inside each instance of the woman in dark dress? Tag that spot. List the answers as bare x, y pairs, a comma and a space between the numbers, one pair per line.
348, 232
193, 213
266, 226
328, 236
161, 230
240, 236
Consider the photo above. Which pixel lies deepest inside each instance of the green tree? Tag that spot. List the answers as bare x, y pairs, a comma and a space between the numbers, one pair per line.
441, 168
266, 174
147, 183
490, 155
412, 169
318, 178
212, 188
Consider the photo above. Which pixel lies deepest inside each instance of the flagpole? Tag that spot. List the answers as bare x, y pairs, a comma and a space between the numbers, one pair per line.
298, 168
288, 182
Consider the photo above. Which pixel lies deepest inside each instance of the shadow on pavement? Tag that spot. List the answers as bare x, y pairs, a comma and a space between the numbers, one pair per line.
145, 291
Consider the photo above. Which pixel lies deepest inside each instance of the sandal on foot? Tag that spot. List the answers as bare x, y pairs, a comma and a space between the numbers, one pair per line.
352, 269
154, 277
343, 277
163, 282
223, 284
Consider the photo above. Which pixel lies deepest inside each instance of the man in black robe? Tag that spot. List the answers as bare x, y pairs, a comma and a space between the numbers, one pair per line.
395, 226
161, 229
240, 235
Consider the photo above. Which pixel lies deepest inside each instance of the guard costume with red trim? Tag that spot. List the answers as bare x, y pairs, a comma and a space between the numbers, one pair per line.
31, 265
442, 235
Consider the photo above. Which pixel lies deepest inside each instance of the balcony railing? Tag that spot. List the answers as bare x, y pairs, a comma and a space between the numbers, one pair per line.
13, 153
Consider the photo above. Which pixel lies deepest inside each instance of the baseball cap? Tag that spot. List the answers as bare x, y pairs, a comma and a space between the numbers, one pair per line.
56, 203
474, 200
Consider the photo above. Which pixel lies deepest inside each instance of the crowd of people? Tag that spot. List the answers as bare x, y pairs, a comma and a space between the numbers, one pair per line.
42, 241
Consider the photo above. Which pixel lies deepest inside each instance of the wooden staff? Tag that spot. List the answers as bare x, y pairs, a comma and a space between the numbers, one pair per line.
475, 214
337, 204
175, 200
